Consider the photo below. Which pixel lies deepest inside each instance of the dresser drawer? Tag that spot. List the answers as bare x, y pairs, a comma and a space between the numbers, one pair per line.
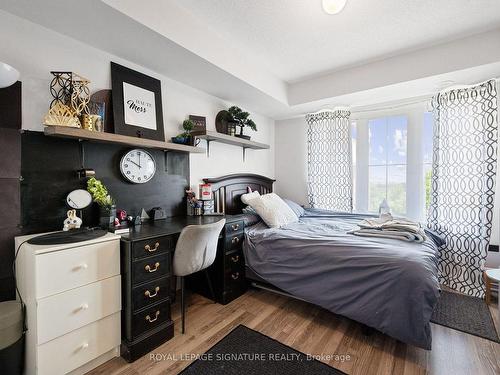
74, 267
234, 241
150, 268
146, 248
234, 260
78, 347
150, 318
234, 227
64, 312
150, 293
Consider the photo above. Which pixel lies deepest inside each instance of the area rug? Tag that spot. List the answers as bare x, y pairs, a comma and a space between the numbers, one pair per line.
245, 351
466, 314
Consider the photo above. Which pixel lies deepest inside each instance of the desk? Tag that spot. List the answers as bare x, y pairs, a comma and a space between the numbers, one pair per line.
148, 283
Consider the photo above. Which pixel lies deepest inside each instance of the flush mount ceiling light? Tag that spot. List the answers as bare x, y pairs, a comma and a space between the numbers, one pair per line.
333, 6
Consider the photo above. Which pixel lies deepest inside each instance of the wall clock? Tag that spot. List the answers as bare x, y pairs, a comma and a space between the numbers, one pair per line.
138, 166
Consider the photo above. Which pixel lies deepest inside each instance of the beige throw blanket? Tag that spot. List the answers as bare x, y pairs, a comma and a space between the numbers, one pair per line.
387, 227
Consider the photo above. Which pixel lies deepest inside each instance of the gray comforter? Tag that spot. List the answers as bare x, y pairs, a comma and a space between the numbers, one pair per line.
390, 285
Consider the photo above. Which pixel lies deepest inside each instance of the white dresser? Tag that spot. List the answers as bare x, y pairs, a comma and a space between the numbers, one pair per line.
72, 294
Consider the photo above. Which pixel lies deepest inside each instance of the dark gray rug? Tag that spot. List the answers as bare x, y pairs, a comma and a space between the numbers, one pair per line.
245, 351
466, 314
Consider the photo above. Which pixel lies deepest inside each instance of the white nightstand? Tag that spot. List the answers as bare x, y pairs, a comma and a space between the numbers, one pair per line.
490, 275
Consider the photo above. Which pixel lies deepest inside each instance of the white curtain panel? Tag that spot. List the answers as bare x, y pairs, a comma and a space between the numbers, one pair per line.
463, 182
329, 160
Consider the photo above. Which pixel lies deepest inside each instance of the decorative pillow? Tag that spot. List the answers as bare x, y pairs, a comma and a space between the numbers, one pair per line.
298, 209
248, 196
251, 219
273, 210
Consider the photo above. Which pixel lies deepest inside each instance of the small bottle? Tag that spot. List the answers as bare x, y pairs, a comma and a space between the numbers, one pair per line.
384, 208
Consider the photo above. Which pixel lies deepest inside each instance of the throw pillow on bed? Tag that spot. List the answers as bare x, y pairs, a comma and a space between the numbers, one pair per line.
273, 210
248, 196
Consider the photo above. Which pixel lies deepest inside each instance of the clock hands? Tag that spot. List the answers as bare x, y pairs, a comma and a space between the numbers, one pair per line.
135, 163
69, 199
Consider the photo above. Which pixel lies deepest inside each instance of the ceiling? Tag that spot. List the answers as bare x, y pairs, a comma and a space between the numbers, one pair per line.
296, 39
282, 58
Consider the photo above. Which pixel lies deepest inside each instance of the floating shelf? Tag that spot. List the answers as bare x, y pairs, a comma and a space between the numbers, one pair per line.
82, 134
211, 136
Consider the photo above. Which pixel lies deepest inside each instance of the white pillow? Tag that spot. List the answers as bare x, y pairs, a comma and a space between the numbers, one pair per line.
273, 210
245, 198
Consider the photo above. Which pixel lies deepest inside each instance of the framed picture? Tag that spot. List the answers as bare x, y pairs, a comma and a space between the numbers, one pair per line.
200, 122
137, 107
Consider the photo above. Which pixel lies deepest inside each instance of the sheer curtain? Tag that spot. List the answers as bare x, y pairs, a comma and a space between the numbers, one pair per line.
463, 182
329, 160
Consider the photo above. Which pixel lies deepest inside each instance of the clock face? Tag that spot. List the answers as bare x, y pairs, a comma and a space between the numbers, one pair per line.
138, 166
79, 199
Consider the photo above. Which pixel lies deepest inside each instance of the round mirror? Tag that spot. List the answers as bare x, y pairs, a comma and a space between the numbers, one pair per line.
79, 199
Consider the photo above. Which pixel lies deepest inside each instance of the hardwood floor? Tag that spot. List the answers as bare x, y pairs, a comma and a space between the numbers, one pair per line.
313, 330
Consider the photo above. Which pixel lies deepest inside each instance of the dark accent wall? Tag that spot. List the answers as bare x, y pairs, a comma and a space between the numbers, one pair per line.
10, 171
49, 168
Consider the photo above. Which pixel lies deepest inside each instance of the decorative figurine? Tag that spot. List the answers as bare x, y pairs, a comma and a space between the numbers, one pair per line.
72, 222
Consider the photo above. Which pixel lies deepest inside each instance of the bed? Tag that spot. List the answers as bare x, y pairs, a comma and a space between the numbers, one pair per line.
389, 285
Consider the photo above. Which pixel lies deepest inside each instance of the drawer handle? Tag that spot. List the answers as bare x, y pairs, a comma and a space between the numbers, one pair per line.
152, 250
235, 240
235, 276
157, 314
149, 269
147, 293
235, 226
235, 259
85, 345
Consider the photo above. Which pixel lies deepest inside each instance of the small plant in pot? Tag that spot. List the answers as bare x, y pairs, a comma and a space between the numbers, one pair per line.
185, 137
100, 195
240, 118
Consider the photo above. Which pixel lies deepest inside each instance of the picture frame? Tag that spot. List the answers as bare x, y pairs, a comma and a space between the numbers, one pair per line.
200, 122
137, 104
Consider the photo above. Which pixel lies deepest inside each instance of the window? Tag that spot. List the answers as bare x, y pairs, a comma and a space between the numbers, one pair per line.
387, 163
393, 161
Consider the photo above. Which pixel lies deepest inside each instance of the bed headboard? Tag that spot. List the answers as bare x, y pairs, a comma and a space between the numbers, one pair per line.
228, 189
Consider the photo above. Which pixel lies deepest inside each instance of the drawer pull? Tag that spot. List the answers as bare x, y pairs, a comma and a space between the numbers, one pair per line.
147, 293
235, 240
235, 227
235, 276
85, 345
82, 266
235, 259
149, 269
157, 314
152, 250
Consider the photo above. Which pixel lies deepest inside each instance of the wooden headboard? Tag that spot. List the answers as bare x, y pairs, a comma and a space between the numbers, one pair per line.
228, 189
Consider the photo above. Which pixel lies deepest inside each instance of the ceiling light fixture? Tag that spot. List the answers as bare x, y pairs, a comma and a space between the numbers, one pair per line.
333, 6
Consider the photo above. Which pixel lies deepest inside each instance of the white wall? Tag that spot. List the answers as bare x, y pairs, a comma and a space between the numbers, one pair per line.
35, 51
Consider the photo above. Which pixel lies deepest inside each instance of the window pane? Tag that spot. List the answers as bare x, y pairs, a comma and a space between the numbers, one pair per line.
377, 130
396, 189
377, 178
427, 137
397, 130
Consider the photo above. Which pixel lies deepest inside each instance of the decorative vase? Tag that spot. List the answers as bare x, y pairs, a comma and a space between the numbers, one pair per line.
107, 216
180, 140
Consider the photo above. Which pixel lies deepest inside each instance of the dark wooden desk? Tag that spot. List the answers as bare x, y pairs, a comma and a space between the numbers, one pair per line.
148, 283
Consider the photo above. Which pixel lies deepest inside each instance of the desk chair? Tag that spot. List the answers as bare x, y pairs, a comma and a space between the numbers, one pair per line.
195, 251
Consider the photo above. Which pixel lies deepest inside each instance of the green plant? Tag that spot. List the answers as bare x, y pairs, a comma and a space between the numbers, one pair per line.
241, 118
188, 126
99, 193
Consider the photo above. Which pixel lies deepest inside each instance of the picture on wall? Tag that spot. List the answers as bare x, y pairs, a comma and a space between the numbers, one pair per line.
137, 106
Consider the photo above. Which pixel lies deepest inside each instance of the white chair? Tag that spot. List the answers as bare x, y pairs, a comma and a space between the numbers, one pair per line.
195, 251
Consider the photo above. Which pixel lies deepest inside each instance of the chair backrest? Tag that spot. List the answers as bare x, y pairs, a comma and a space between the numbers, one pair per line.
196, 248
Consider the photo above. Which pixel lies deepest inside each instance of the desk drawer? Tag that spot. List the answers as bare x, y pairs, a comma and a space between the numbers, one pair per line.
74, 267
78, 347
147, 248
151, 268
234, 241
64, 312
234, 227
150, 318
150, 293
234, 261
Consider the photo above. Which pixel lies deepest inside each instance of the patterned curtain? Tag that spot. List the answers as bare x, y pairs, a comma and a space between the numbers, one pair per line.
463, 182
329, 160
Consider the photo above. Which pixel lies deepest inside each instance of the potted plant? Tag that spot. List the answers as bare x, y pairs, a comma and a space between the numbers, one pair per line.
240, 118
100, 195
185, 137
